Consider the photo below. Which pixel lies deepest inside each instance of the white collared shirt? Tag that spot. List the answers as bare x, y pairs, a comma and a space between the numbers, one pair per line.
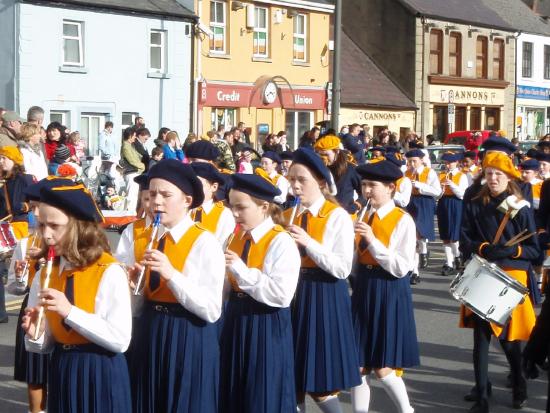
226, 223
125, 249
402, 195
275, 283
283, 185
110, 326
458, 190
431, 187
335, 254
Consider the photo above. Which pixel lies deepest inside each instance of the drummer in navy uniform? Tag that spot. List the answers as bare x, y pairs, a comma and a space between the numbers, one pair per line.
481, 219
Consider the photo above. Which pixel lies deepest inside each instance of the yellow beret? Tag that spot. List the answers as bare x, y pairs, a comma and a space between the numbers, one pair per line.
502, 132
327, 143
13, 153
502, 162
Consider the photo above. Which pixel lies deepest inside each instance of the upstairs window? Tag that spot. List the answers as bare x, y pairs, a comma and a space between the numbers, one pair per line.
455, 54
261, 32
157, 51
436, 52
498, 59
300, 38
546, 61
481, 57
218, 27
527, 60
73, 54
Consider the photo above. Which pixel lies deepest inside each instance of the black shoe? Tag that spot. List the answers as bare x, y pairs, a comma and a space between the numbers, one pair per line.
446, 270
519, 399
415, 278
473, 397
481, 406
423, 260
459, 263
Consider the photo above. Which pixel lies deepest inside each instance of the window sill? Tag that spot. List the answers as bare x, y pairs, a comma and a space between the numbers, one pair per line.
219, 56
298, 63
73, 69
153, 75
261, 59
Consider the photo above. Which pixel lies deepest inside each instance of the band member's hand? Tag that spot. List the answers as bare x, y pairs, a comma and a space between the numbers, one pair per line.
448, 182
159, 262
299, 235
133, 274
231, 258
498, 252
19, 267
29, 320
56, 301
34, 252
365, 231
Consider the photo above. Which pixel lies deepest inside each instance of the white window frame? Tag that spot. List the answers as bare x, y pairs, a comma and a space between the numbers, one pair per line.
219, 25
162, 47
214, 118
65, 117
134, 115
297, 35
92, 140
261, 30
79, 37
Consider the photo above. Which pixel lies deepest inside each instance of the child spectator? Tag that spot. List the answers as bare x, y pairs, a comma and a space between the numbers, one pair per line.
156, 155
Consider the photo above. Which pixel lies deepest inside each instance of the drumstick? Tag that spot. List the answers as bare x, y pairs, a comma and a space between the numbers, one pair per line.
520, 239
500, 229
515, 237
232, 237
51, 256
156, 224
6, 218
294, 210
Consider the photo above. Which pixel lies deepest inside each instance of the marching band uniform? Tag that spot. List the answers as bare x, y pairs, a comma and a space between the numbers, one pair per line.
382, 308
206, 151
87, 373
544, 159
177, 344
274, 177
257, 363
479, 227
449, 212
403, 186
472, 171
324, 347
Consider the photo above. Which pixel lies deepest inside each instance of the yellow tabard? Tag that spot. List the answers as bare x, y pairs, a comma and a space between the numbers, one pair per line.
210, 221
423, 177
455, 178
142, 236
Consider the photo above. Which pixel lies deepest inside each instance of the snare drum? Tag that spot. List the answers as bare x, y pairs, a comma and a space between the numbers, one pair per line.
487, 290
7, 238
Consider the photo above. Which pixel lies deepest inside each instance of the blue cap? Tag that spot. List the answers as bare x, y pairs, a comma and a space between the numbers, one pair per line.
416, 145
255, 186
74, 199
287, 156
315, 164
470, 154
208, 171
391, 149
181, 175
143, 181
202, 149
543, 144
498, 143
543, 157
530, 165
383, 171
273, 156
395, 160
415, 153
377, 148
452, 157
32, 192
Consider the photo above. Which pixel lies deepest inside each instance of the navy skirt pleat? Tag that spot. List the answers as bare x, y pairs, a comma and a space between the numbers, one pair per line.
176, 365
257, 358
383, 320
88, 379
422, 209
324, 345
449, 218
28, 367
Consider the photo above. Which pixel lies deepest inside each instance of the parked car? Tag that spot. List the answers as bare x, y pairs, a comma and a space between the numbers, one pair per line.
436, 151
466, 139
524, 146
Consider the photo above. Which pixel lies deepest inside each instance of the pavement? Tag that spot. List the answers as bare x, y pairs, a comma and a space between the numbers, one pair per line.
437, 385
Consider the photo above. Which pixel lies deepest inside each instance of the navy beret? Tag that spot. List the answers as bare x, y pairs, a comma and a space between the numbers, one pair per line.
202, 149
208, 171
543, 157
452, 157
383, 171
470, 154
32, 192
395, 160
272, 155
498, 143
391, 149
181, 175
255, 186
377, 148
543, 144
287, 156
530, 165
416, 145
73, 199
143, 181
314, 163
415, 153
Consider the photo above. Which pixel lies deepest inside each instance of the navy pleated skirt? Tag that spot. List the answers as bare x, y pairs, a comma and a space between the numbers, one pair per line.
88, 379
324, 344
28, 367
176, 362
449, 217
383, 319
422, 209
257, 358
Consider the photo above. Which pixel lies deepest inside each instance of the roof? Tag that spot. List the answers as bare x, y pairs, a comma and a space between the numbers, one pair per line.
518, 15
364, 83
168, 8
542, 7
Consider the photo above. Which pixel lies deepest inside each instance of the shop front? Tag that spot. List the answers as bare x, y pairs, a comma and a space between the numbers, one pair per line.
532, 112
400, 122
267, 106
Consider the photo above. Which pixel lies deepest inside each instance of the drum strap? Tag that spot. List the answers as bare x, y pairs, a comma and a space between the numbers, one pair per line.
7, 198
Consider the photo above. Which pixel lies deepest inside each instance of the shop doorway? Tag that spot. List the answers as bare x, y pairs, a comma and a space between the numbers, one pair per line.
475, 118
460, 118
440, 123
534, 128
296, 124
492, 118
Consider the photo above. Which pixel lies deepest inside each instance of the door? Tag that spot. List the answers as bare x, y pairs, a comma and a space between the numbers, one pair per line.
475, 118
460, 118
90, 127
440, 123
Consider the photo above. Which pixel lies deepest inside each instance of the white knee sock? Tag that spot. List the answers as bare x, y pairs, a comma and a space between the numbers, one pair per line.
416, 260
330, 405
422, 246
456, 250
360, 396
301, 408
395, 387
449, 257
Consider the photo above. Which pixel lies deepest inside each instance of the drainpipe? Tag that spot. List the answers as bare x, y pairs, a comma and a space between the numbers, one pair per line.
336, 84
198, 73
422, 130
516, 36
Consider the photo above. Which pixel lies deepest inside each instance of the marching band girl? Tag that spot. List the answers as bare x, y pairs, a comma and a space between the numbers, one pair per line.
269, 163
449, 210
177, 343
403, 186
325, 353
482, 217
213, 215
87, 307
529, 173
469, 166
426, 188
382, 309
544, 160
263, 263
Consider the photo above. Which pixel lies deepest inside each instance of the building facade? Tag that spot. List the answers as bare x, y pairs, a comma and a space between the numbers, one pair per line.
87, 63
264, 63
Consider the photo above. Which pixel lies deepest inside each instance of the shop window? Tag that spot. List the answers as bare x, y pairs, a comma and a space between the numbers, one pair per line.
296, 124
527, 60
91, 124
481, 57
455, 54
218, 27
300, 38
157, 51
61, 116
492, 118
73, 52
223, 116
475, 118
546, 61
261, 32
436, 52
460, 118
498, 59
440, 123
